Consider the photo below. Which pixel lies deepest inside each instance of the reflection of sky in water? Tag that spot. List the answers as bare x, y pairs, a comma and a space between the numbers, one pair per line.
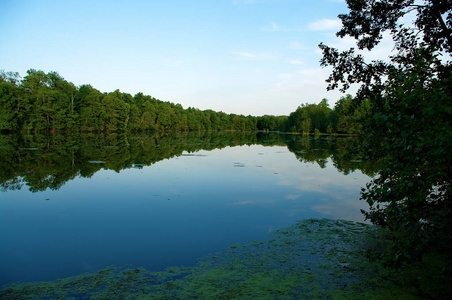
170, 213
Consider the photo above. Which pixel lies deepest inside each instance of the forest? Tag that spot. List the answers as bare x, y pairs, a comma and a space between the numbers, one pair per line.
47, 103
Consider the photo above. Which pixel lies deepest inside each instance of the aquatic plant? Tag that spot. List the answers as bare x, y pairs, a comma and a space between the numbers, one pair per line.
312, 259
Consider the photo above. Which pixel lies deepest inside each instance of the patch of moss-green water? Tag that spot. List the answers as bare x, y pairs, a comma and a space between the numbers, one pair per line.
312, 259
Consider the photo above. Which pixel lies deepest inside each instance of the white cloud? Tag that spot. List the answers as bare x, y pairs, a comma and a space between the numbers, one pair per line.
301, 86
381, 52
297, 46
296, 62
287, 75
273, 27
325, 25
252, 55
244, 54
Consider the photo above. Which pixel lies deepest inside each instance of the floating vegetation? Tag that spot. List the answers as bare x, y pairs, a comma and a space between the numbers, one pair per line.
313, 259
138, 166
193, 154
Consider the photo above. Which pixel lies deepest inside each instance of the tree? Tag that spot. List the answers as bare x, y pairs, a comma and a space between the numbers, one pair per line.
134, 121
305, 120
63, 97
148, 117
271, 123
165, 116
323, 116
348, 115
88, 105
309, 117
115, 112
10, 101
409, 128
343, 112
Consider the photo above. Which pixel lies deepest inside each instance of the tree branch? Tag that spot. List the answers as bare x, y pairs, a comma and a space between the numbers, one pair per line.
447, 32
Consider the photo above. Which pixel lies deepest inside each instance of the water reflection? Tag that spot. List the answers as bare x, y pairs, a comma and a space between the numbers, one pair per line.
161, 200
41, 162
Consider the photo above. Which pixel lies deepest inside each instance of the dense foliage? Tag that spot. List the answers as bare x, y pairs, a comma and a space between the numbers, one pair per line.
47, 103
410, 123
345, 118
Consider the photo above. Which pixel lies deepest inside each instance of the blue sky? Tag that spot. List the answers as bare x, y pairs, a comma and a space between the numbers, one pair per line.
238, 56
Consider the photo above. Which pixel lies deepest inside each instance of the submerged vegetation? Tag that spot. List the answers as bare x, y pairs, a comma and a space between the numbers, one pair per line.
312, 259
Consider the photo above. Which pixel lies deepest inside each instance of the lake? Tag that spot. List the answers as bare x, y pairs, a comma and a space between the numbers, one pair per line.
71, 204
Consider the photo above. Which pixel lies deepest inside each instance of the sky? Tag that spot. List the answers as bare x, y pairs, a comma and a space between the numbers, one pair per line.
245, 57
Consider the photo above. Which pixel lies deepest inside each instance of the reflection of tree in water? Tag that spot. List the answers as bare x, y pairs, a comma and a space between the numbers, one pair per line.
349, 155
345, 153
307, 149
41, 162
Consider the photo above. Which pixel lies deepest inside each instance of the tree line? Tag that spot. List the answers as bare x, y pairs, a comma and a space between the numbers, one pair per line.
47, 103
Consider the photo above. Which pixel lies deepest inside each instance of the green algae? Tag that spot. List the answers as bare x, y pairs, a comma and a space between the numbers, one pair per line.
312, 259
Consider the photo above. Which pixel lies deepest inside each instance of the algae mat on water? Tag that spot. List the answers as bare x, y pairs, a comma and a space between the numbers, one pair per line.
313, 259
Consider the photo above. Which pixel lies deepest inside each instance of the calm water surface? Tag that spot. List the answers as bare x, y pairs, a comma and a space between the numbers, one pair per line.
71, 205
